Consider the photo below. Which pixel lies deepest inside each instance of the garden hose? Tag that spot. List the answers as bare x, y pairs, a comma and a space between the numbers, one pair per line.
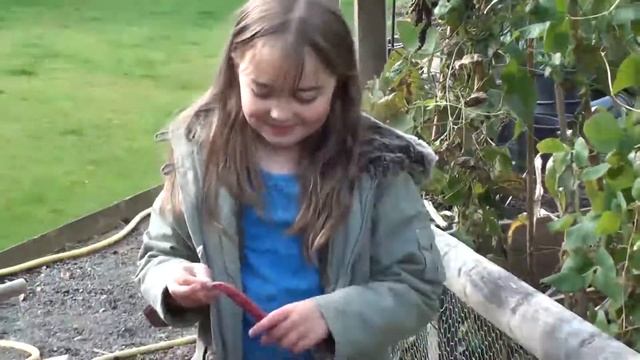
161, 346
77, 252
32, 350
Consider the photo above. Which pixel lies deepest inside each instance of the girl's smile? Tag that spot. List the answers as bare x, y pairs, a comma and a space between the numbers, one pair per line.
281, 131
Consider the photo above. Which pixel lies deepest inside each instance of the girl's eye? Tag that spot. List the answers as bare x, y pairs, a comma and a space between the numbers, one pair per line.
306, 97
261, 93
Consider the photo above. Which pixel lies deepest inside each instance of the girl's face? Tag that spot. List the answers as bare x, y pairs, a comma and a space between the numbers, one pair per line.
282, 111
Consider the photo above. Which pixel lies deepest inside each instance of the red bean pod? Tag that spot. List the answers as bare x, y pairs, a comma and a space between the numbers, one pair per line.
240, 299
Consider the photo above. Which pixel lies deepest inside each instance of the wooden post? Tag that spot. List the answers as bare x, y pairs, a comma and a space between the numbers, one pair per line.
371, 37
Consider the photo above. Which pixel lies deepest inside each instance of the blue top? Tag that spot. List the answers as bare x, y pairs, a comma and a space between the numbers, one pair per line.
274, 269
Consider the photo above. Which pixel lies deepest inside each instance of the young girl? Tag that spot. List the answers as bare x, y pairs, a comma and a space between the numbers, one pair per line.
279, 186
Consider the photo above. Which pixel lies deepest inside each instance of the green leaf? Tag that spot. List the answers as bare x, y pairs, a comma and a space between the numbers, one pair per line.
628, 74
431, 41
581, 236
634, 260
561, 7
519, 93
608, 224
561, 161
566, 281
596, 197
601, 321
518, 128
538, 11
616, 158
556, 38
619, 204
408, 34
551, 145
450, 11
594, 172
621, 177
596, 7
577, 261
534, 31
625, 14
581, 151
603, 132
605, 278
604, 260
635, 190
553, 8
403, 123
551, 178
589, 56
562, 224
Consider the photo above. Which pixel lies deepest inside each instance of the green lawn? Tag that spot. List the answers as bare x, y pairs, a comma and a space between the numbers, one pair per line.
84, 84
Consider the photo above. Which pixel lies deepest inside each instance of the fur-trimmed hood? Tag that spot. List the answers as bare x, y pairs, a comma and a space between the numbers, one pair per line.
386, 151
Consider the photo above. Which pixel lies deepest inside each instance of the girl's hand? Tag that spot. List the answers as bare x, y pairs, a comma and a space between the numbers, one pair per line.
190, 286
297, 327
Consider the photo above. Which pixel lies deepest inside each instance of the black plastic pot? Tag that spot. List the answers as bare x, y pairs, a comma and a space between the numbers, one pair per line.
549, 107
545, 87
545, 126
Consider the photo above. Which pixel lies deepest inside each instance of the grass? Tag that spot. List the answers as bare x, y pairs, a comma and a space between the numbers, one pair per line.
84, 85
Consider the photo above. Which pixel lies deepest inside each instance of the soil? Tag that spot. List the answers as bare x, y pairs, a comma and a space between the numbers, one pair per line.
85, 308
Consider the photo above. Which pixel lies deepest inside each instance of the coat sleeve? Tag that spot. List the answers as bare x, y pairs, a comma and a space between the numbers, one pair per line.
406, 278
165, 247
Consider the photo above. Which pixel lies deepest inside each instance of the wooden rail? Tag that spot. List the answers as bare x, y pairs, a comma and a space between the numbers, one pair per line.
536, 322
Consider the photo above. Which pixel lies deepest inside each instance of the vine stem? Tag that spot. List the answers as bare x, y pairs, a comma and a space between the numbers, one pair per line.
606, 65
530, 176
626, 264
560, 109
596, 15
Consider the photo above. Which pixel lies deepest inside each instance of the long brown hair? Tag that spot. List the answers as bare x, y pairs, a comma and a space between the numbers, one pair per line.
328, 171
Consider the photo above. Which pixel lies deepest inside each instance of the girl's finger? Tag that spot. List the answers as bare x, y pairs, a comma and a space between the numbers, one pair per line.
201, 271
184, 279
283, 330
206, 294
278, 333
184, 294
270, 321
291, 338
304, 343
188, 269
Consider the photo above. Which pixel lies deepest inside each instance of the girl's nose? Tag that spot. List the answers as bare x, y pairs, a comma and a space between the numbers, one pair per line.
281, 111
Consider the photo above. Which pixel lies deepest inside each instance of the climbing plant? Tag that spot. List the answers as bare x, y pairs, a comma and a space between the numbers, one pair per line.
467, 68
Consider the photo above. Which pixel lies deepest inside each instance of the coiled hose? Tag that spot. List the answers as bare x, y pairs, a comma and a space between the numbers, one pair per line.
33, 351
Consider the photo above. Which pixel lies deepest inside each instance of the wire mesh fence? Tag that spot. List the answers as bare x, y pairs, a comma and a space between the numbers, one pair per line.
459, 333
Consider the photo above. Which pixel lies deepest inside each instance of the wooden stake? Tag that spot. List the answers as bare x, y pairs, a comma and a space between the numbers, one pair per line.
531, 181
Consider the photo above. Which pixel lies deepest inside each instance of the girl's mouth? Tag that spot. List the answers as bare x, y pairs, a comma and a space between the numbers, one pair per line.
281, 130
